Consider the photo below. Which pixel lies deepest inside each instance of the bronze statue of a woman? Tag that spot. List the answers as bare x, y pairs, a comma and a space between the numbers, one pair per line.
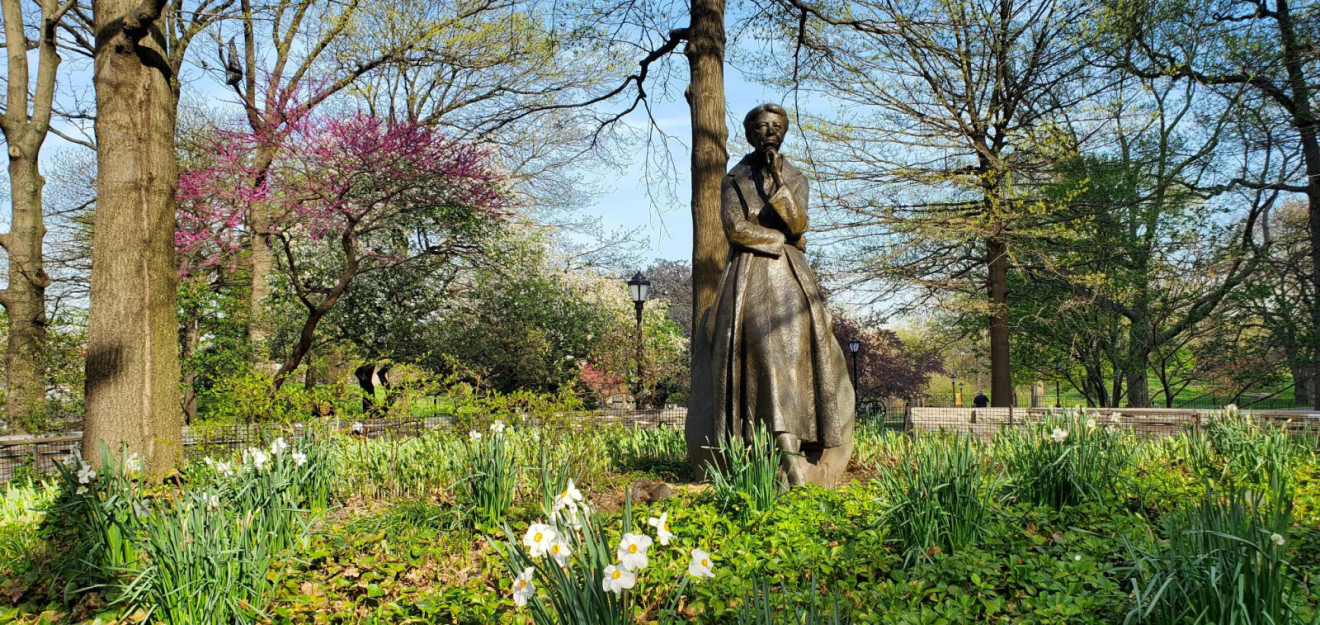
764, 354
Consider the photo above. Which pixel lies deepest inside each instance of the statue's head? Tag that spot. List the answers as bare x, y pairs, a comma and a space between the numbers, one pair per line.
765, 126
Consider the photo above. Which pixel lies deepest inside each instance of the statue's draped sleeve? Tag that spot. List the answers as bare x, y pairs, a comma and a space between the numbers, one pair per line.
790, 204
740, 231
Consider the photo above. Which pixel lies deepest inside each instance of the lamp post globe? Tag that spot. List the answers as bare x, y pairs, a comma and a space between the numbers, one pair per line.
639, 288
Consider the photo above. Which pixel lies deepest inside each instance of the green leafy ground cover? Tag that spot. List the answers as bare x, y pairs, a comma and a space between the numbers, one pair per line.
1069, 522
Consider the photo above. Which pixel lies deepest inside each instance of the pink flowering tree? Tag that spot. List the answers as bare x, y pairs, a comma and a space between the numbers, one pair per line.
347, 197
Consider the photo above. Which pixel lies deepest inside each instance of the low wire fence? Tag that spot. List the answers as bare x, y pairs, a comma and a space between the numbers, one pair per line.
984, 423
37, 455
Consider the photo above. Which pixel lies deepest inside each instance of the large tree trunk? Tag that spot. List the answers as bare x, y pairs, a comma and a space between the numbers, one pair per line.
1303, 375
25, 297
262, 258
188, 341
1001, 374
132, 327
1139, 344
710, 154
1296, 53
25, 122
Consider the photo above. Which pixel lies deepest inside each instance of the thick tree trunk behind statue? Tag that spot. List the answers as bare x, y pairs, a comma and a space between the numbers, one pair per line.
710, 153
132, 327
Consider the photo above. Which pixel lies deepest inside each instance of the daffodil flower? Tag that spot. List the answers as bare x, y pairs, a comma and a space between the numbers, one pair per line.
661, 526
1090, 424
538, 539
523, 588
133, 464
213, 501
700, 565
1276, 539
299, 458
497, 427
474, 436
257, 457
617, 579
569, 498
278, 447
632, 551
559, 551
1059, 435
86, 474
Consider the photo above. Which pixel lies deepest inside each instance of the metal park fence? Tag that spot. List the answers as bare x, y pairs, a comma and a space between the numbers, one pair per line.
37, 455
1144, 422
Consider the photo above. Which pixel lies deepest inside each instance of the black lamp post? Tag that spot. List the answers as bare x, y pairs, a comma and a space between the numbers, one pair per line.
960, 394
854, 346
1057, 401
953, 388
639, 288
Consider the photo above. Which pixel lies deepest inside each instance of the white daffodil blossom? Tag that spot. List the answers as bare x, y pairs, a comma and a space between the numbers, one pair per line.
278, 447
617, 579
133, 464
256, 457
632, 551
1058, 435
81, 490
661, 526
523, 588
538, 539
1090, 424
213, 501
1231, 410
569, 498
1077, 558
299, 458
560, 552
571, 517
700, 565
1277, 539
86, 474
474, 436
497, 427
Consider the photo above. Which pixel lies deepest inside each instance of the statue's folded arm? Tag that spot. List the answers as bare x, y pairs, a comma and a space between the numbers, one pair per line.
740, 231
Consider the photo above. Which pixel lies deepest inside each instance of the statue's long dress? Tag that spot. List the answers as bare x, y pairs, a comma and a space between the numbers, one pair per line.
765, 351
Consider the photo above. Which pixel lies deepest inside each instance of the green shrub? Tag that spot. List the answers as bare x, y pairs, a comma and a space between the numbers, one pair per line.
643, 449
209, 563
1234, 446
745, 476
1064, 459
488, 489
937, 496
568, 572
252, 398
1222, 561
98, 517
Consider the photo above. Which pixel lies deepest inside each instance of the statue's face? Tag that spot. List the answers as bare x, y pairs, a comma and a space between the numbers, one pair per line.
767, 131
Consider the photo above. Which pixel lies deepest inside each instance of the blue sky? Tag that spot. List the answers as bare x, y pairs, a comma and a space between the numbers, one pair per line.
667, 226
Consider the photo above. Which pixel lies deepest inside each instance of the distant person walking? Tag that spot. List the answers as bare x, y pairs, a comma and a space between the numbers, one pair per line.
980, 401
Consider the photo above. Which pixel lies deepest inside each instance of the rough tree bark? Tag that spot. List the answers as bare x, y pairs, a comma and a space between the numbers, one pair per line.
1001, 375
25, 124
132, 383
710, 154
